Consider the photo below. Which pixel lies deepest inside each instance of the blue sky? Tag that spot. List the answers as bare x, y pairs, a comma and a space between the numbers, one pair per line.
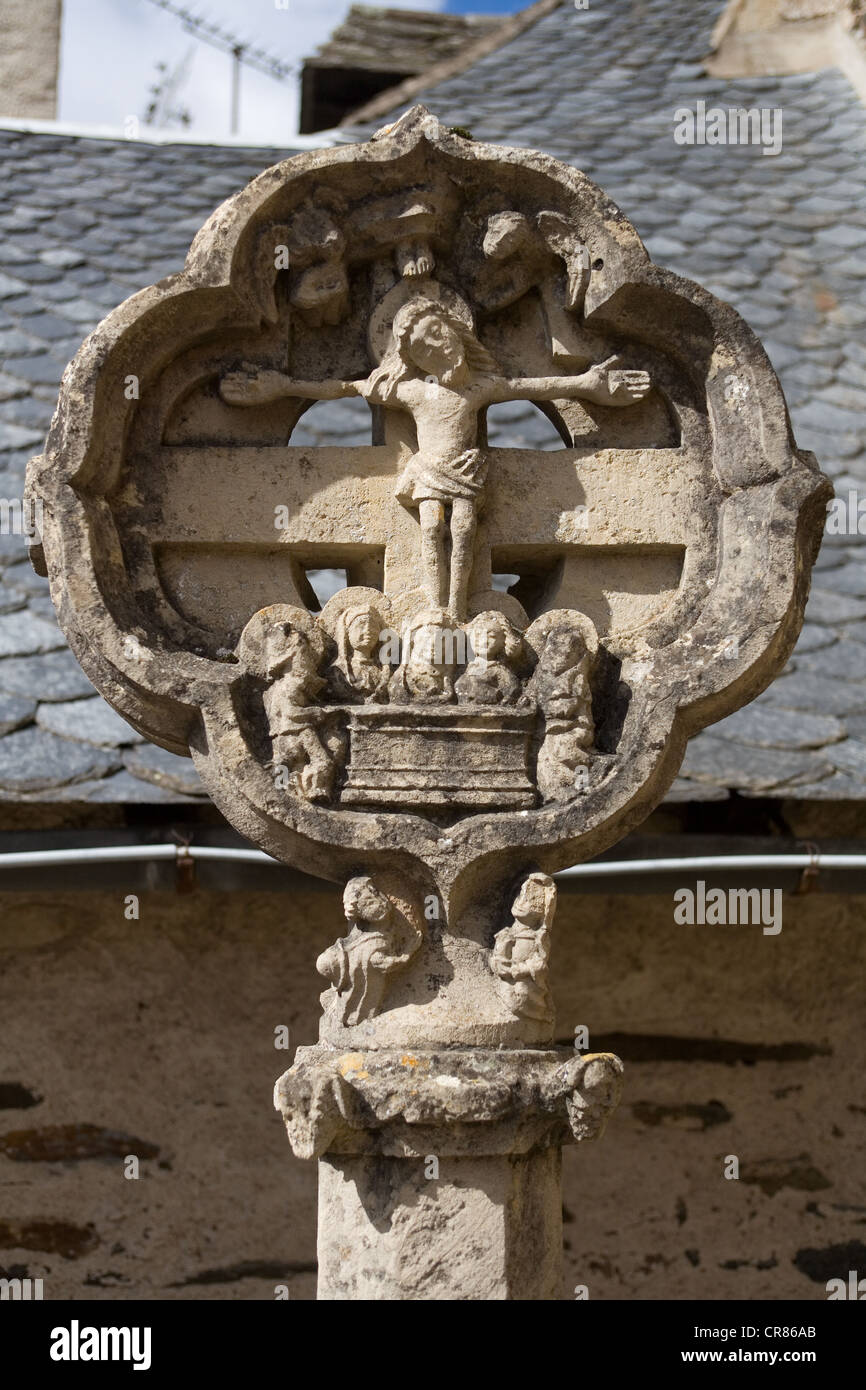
110, 48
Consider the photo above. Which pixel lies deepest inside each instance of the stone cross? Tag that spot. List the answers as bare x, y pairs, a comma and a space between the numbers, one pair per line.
433, 743
633, 513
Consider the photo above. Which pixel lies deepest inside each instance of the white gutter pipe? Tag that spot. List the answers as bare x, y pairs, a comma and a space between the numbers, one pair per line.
613, 868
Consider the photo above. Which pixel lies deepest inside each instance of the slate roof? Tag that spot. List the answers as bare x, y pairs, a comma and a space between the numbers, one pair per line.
85, 222
399, 40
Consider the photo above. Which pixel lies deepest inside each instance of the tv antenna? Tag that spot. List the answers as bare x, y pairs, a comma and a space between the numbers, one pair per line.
240, 52
164, 107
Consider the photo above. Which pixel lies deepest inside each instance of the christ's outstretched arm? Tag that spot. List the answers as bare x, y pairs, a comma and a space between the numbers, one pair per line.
604, 384
257, 386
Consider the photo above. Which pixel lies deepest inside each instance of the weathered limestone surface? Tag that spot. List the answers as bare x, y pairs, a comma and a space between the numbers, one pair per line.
524, 644
463, 1200
29, 58
487, 1228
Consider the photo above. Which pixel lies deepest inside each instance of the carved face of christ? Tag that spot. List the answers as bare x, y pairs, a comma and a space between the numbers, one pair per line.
436, 349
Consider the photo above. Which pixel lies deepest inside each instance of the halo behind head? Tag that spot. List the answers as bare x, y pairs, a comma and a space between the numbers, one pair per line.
359, 597
264, 625
565, 619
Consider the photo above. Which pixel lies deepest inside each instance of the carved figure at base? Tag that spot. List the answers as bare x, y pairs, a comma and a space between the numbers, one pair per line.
356, 619
491, 678
426, 674
380, 942
567, 644
282, 647
521, 952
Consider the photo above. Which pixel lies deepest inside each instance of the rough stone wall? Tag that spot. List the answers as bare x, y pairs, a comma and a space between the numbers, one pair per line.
163, 1029
29, 58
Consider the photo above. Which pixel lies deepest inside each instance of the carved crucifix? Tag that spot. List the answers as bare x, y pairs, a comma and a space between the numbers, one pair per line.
658, 561
437, 371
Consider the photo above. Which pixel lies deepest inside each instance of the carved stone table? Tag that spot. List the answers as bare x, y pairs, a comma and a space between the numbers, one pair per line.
506, 683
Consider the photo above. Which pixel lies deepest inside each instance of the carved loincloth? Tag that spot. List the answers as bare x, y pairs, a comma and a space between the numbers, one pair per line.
424, 481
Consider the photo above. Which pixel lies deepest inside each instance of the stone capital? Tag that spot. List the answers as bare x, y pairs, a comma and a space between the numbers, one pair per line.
407, 1104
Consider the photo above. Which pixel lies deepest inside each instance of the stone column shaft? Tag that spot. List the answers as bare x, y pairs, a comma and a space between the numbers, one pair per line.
439, 1172
487, 1228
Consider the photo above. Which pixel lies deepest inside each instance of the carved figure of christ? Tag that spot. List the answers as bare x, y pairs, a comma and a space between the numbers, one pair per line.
438, 372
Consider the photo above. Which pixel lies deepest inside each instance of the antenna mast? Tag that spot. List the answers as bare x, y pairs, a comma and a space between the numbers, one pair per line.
239, 52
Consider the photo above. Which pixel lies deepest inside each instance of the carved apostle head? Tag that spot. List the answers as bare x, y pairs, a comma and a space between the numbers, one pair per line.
494, 638
535, 904
363, 904
283, 642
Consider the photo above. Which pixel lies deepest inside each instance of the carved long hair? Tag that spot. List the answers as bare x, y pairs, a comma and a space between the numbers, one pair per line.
396, 365
513, 647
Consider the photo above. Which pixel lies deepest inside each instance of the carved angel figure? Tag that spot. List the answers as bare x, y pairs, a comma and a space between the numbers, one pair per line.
380, 941
521, 952
491, 677
436, 370
282, 647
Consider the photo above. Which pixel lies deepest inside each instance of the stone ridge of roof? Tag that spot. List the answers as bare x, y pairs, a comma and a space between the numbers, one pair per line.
496, 37
399, 40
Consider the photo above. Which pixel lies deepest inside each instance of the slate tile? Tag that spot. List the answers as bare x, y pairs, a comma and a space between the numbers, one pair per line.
121, 788
90, 720
84, 312
849, 757
682, 789
163, 769
15, 712
13, 548
18, 436
762, 726
32, 759
839, 786
824, 606
805, 690
850, 578
54, 676
12, 598
848, 396
21, 634
14, 343
11, 254
62, 257
10, 285
814, 638
35, 369
30, 411
842, 235
717, 760
34, 271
